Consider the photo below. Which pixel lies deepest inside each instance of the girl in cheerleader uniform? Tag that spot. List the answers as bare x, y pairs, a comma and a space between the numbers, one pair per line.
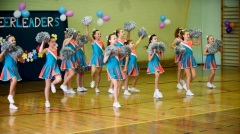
96, 61
50, 70
177, 58
188, 62
115, 73
210, 63
154, 66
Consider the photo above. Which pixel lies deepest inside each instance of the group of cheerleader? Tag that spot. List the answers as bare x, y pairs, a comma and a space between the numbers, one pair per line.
119, 68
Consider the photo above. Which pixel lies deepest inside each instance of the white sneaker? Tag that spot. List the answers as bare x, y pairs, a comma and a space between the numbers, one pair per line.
209, 85
126, 92
12, 106
71, 91
64, 88
84, 89
110, 90
116, 104
129, 88
47, 104
134, 90
185, 87
92, 84
10, 99
157, 94
123, 88
182, 81
213, 86
97, 90
79, 89
53, 89
189, 93
179, 86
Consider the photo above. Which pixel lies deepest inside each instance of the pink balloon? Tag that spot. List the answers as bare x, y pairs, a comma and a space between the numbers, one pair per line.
69, 13
106, 17
161, 25
22, 6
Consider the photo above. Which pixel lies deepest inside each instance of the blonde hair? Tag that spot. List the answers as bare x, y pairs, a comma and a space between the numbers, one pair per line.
209, 37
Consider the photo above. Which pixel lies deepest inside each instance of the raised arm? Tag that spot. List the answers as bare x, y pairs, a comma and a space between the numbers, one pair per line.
41, 50
138, 41
197, 43
68, 40
173, 44
128, 35
88, 36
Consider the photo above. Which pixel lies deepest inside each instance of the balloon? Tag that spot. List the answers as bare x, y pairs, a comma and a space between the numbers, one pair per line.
162, 18
106, 17
17, 14
99, 14
61, 10
25, 13
227, 23
69, 13
99, 22
229, 30
167, 22
22, 6
63, 17
161, 25
232, 24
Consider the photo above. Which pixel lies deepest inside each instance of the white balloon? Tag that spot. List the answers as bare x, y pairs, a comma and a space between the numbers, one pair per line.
17, 14
63, 17
167, 21
99, 22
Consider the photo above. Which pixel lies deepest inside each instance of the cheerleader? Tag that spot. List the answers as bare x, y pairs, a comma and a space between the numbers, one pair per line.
114, 71
210, 63
188, 62
177, 58
50, 70
96, 61
10, 72
154, 66
131, 67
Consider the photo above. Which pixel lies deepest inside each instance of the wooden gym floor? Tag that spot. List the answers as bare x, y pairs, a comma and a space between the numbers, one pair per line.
210, 111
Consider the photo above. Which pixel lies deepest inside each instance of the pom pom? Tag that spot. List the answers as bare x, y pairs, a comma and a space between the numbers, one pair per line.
161, 47
82, 40
111, 50
42, 36
178, 42
195, 33
79, 69
87, 20
213, 48
142, 32
16, 52
152, 46
179, 50
87, 69
66, 53
130, 25
8, 46
125, 51
219, 42
72, 32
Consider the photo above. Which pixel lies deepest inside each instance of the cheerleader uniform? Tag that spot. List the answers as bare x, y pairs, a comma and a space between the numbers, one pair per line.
132, 69
154, 65
210, 62
97, 56
50, 69
178, 57
80, 57
71, 63
10, 69
119, 44
113, 68
187, 60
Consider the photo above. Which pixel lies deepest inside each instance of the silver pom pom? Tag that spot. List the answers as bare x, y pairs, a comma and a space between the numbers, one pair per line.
87, 20
87, 69
82, 40
213, 48
130, 25
195, 33
72, 32
179, 50
178, 42
125, 51
152, 46
8, 46
111, 50
142, 32
79, 69
161, 47
66, 53
42, 36
219, 42
16, 52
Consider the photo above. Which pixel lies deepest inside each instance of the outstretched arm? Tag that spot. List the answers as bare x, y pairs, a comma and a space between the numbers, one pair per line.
197, 43
138, 41
88, 36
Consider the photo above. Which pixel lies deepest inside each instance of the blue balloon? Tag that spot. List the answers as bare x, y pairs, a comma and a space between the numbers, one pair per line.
99, 13
162, 18
25, 13
61, 10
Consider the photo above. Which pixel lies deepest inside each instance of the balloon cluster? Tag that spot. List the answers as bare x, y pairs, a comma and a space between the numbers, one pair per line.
21, 11
65, 13
101, 17
229, 25
164, 21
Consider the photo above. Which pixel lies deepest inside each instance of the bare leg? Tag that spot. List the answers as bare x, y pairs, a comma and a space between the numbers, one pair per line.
211, 77
47, 88
126, 82
179, 72
68, 78
13, 83
115, 83
134, 81
118, 87
93, 72
82, 79
156, 80
188, 74
78, 79
193, 72
57, 79
99, 70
